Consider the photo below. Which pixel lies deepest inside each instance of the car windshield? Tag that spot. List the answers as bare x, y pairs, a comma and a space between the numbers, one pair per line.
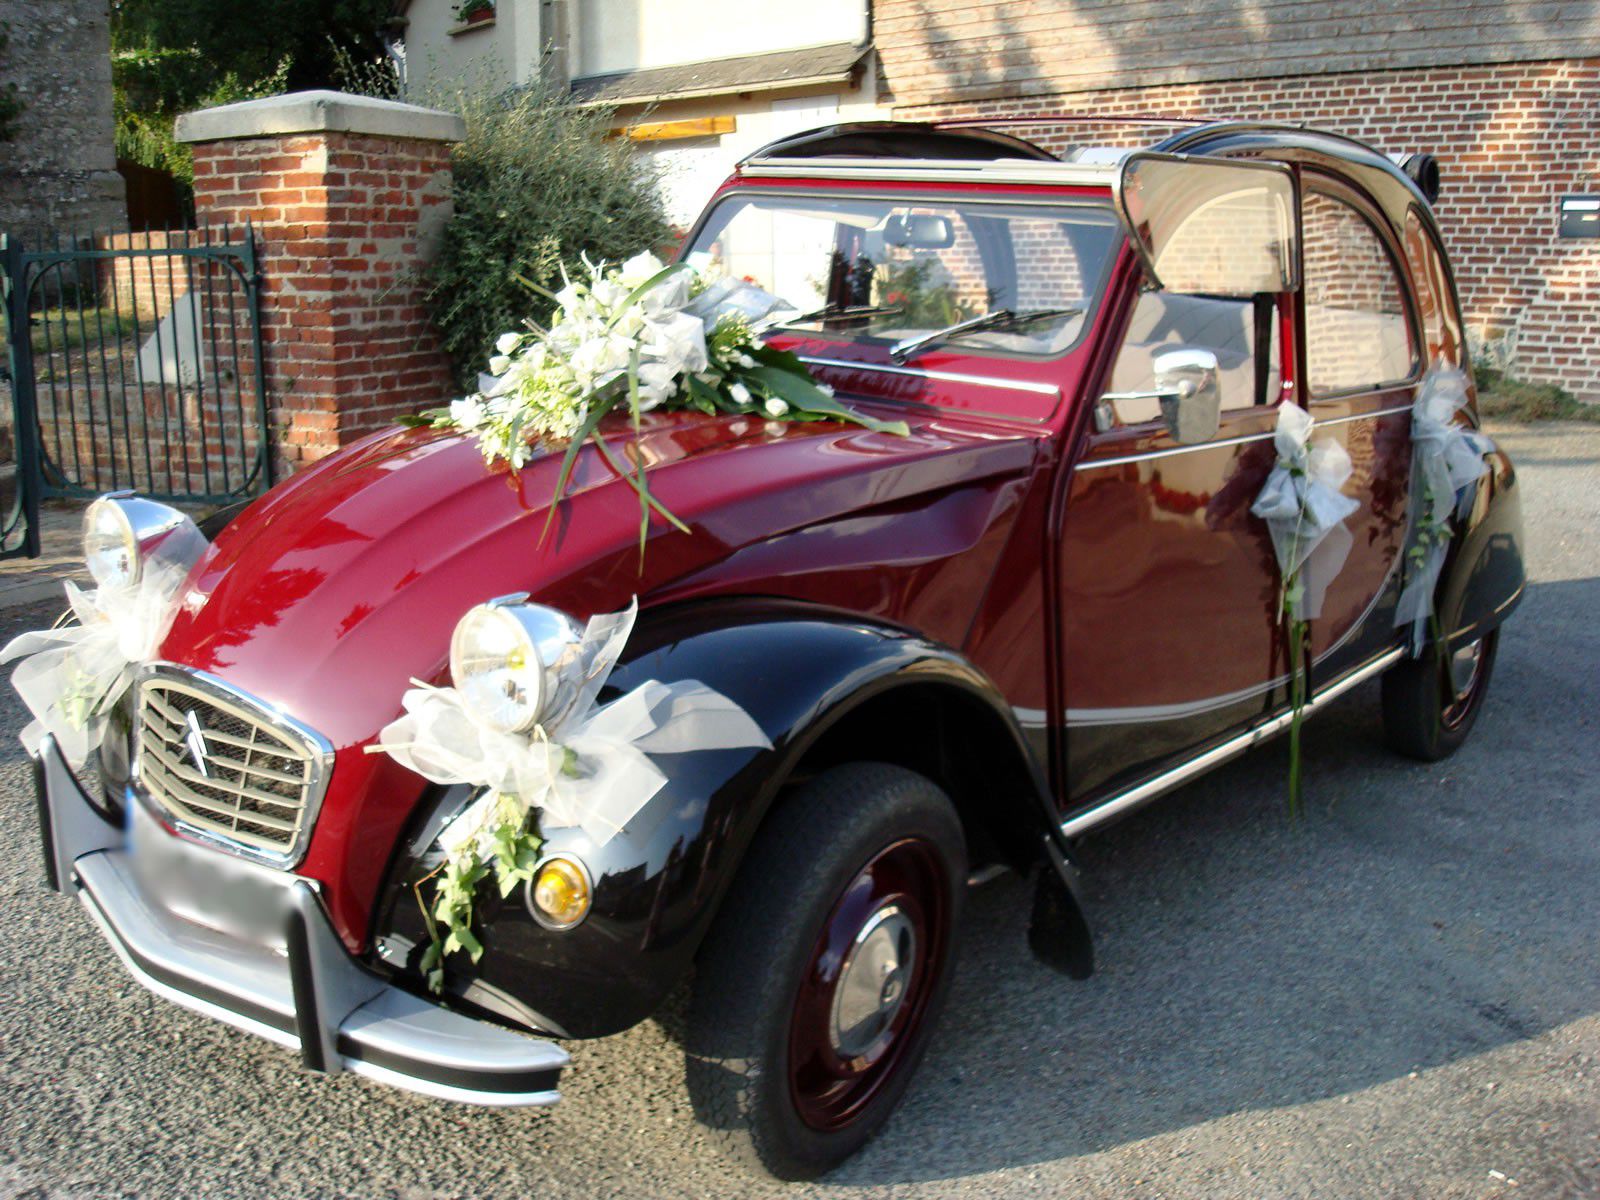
894, 270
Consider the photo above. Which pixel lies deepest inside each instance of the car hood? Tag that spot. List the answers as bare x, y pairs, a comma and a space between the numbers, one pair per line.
329, 594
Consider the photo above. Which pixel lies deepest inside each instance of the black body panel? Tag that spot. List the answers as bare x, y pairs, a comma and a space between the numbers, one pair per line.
798, 672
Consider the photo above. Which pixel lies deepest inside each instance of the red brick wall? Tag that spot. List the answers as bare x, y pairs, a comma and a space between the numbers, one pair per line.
343, 221
1512, 139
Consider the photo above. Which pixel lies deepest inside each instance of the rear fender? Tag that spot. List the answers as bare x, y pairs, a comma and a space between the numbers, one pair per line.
810, 678
1484, 576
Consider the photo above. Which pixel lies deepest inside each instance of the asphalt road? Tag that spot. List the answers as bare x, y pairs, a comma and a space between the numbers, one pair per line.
1399, 997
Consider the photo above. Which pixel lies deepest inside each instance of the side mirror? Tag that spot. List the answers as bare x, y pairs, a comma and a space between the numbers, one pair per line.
1185, 390
919, 231
1191, 400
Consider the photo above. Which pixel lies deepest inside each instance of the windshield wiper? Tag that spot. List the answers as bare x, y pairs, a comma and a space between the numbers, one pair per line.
1000, 318
830, 312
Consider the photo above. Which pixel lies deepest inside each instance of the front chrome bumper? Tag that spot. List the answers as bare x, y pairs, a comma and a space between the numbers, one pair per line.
253, 947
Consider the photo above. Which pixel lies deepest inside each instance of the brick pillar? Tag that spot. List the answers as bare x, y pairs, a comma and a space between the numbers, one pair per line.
347, 195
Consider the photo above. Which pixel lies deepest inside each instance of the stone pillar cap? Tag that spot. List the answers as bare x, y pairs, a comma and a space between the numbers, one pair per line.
319, 112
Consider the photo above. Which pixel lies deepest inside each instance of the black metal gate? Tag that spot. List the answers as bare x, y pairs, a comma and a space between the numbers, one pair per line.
134, 362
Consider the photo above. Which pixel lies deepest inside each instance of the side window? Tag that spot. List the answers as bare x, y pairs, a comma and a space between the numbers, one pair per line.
1440, 322
1357, 334
1167, 320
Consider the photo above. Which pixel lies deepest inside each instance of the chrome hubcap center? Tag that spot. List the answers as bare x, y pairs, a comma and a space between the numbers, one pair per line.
872, 985
1464, 667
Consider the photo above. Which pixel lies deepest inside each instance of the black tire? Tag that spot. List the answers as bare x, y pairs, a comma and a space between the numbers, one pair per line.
1427, 714
831, 851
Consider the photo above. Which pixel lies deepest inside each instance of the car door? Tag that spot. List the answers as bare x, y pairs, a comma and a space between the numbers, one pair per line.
1168, 586
1363, 362
1169, 589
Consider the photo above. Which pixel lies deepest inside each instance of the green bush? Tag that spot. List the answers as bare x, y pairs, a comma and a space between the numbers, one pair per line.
1504, 398
537, 182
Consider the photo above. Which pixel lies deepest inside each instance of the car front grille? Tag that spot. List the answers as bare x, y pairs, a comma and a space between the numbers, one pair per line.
219, 764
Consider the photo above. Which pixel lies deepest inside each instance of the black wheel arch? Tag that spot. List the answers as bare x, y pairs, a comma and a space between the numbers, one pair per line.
826, 687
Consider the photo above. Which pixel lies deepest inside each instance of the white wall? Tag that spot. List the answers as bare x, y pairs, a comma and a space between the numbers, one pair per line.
693, 169
497, 55
629, 35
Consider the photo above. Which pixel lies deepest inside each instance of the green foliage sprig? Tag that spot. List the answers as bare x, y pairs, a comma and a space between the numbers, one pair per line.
508, 848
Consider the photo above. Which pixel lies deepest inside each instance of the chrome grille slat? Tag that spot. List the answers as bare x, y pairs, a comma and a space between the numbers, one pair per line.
193, 777
166, 736
263, 775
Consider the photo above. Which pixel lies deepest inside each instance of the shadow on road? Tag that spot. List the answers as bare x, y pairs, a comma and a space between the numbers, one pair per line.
1420, 914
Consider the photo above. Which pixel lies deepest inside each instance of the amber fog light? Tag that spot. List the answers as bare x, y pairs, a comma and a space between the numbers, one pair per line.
560, 895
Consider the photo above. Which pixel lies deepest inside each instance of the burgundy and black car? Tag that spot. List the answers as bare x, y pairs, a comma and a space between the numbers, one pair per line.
964, 645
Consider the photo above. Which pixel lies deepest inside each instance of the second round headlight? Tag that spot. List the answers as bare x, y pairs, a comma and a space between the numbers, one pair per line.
508, 661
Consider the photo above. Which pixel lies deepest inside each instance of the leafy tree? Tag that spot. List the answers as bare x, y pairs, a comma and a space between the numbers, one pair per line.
171, 56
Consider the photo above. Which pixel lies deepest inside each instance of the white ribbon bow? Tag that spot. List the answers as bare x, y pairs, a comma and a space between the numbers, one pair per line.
590, 770
1305, 510
1447, 457
72, 676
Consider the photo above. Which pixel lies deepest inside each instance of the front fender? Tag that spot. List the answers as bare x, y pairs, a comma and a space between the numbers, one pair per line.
796, 670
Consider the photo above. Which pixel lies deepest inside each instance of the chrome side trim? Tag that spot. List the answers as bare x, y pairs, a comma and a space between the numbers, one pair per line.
1124, 459
1011, 385
1125, 802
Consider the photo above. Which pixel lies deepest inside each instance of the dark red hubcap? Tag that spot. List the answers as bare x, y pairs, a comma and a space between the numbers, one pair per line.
867, 986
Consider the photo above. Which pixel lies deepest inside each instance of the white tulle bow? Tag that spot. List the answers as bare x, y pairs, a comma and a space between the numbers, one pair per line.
591, 770
1447, 456
1305, 510
70, 677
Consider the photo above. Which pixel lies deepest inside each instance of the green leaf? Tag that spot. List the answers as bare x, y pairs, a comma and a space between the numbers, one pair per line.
597, 410
799, 391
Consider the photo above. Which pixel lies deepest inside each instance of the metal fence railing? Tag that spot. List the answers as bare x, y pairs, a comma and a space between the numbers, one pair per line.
134, 361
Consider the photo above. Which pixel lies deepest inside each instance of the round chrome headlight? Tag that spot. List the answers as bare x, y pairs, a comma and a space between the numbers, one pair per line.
508, 661
119, 533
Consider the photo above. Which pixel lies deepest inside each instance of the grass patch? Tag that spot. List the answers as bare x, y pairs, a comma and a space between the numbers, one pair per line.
1506, 399
65, 329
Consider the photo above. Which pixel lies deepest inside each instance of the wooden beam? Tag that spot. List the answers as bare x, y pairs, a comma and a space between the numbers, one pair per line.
670, 131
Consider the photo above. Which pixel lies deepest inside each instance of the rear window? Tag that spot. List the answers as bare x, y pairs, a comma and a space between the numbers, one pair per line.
887, 269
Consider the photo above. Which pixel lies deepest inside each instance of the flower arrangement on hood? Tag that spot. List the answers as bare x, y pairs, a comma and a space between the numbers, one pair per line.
634, 338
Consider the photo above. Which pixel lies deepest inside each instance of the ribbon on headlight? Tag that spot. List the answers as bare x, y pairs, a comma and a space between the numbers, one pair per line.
591, 770
71, 676
1305, 510
1447, 457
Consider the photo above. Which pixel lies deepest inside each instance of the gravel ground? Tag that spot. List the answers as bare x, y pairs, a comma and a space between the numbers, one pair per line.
1397, 998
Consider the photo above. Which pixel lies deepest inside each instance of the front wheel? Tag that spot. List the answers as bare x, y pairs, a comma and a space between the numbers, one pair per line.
817, 989
1430, 703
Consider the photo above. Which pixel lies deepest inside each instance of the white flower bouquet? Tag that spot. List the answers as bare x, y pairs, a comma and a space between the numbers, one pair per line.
634, 338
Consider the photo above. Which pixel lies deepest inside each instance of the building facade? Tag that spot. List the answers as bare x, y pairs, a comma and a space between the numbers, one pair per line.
1506, 93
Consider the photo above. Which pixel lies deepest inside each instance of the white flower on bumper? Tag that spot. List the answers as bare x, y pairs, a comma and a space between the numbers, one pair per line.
740, 393
775, 407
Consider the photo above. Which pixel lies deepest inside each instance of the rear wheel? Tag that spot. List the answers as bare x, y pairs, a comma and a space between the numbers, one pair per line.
818, 987
1430, 703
